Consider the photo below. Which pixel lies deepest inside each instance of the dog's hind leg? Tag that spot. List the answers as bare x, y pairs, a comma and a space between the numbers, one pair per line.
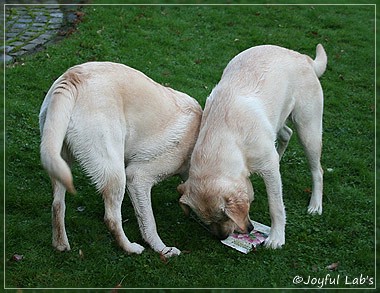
283, 137
309, 130
312, 142
60, 240
139, 185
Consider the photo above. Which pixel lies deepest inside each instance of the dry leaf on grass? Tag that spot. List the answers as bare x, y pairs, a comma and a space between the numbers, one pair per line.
163, 258
118, 286
17, 257
333, 266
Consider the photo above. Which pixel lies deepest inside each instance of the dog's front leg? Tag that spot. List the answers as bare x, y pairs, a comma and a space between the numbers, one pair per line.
272, 179
139, 188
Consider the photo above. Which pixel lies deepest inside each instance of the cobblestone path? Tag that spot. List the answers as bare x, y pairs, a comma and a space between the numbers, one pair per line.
29, 27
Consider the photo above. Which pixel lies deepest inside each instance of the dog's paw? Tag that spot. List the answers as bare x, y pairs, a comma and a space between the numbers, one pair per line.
170, 251
135, 248
61, 246
315, 204
274, 242
314, 209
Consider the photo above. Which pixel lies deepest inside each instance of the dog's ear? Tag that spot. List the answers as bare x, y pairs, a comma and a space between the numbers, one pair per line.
184, 201
185, 204
181, 189
237, 209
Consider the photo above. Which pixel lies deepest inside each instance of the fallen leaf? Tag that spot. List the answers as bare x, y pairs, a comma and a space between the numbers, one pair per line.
17, 257
163, 258
79, 14
115, 289
333, 266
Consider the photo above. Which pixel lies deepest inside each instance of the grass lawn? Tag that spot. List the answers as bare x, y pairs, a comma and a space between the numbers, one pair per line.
187, 48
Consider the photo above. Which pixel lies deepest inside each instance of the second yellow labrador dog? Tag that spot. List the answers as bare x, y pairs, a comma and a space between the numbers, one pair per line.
243, 117
126, 131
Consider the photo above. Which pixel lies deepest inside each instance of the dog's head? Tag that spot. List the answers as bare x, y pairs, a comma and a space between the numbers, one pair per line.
222, 205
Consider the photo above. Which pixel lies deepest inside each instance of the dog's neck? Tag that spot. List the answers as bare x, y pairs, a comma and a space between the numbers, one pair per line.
228, 162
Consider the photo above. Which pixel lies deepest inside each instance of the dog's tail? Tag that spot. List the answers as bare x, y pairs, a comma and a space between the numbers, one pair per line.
320, 61
54, 120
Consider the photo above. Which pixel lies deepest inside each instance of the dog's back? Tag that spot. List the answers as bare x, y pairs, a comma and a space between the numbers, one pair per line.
268, 80
270, 59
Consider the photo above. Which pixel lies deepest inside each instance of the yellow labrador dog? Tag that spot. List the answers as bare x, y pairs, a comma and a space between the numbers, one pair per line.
126, 131
244, 115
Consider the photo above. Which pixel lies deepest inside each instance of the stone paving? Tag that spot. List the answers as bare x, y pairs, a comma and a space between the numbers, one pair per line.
30, 27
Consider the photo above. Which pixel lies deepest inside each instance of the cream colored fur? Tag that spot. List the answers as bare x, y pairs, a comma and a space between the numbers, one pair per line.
125, 130
244, 116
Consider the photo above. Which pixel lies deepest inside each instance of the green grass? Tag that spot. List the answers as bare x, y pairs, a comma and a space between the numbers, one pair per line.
187, 48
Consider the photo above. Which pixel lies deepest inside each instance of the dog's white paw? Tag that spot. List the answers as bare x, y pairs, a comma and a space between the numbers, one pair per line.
135, 248
170, 251
274, 241
314, 209
61, 245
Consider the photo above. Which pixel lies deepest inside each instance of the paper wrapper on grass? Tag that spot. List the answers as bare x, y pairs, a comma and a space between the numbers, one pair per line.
246, 242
